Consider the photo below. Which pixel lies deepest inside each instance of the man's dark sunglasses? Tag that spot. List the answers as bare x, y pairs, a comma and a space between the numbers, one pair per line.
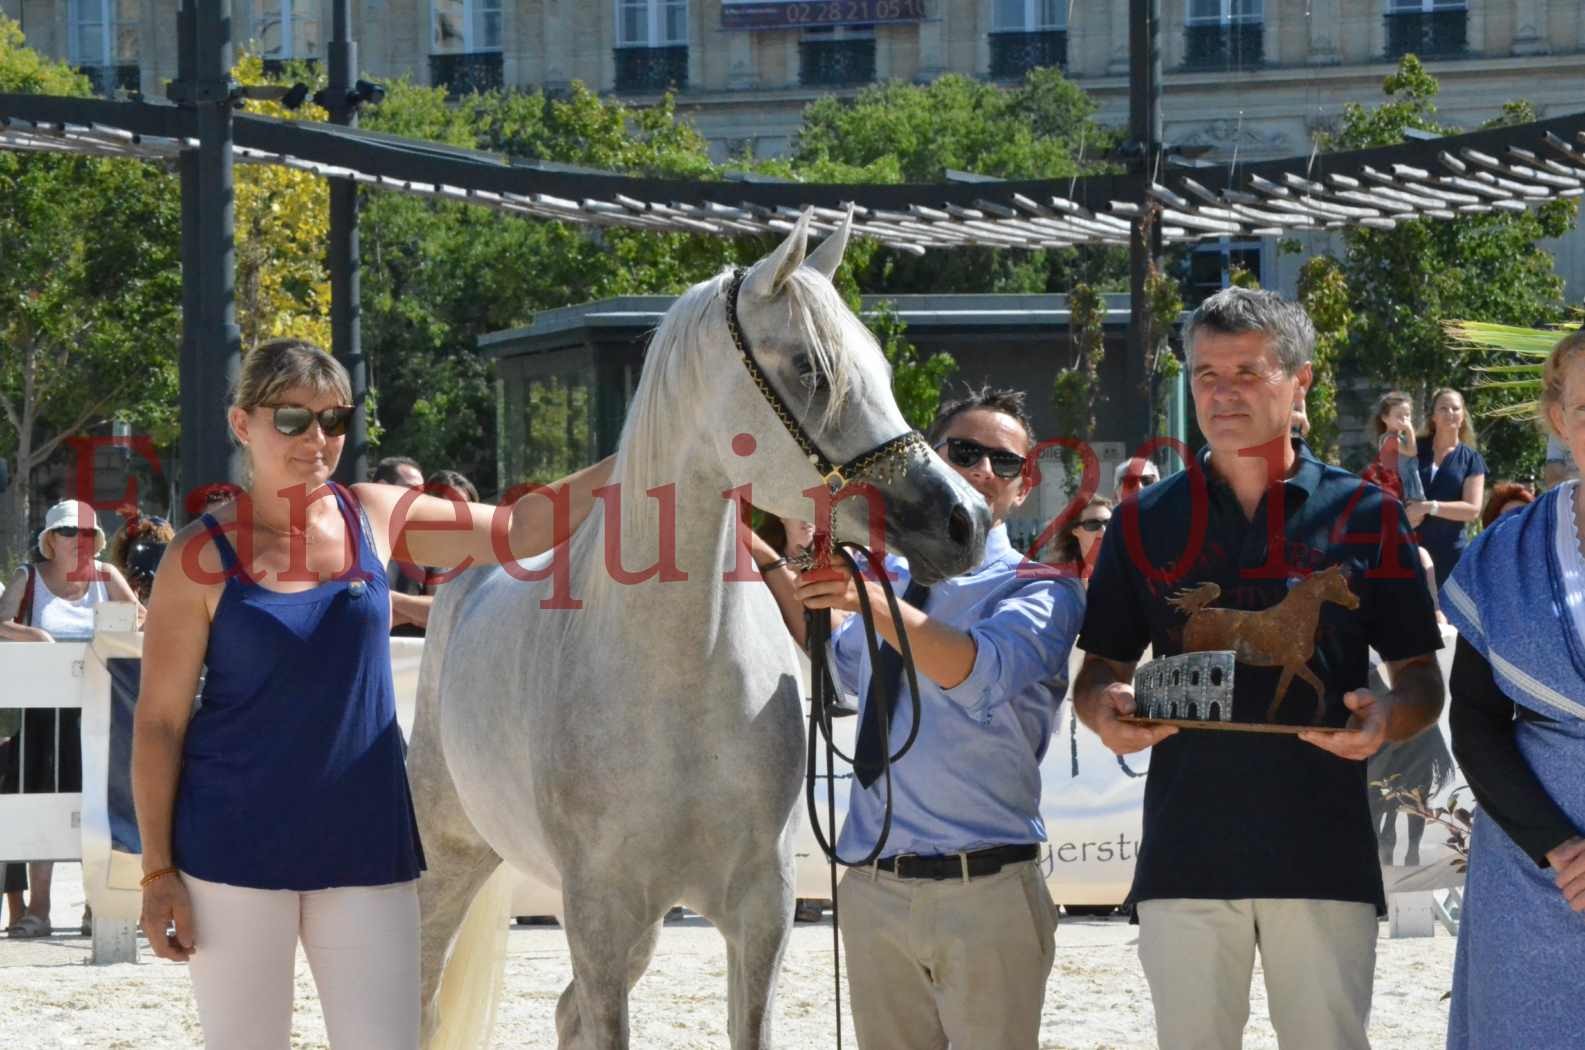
292, 420
1093, 524
961, 452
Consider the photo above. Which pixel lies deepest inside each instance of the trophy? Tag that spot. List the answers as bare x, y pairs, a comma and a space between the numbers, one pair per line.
1194, 690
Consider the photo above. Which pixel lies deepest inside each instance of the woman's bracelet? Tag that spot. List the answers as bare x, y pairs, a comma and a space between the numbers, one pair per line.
155, 875
771, 566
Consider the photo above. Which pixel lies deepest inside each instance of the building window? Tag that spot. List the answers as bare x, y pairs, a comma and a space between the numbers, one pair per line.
465, 45
837, 56
1428, 28
651, 45
104, 43
1224, 34
1028, 34
1212, 264
286, 31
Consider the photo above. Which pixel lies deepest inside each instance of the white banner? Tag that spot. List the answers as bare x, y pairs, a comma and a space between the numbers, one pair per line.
1091, 803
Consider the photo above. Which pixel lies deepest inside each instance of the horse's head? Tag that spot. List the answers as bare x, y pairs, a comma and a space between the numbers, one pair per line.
1331, 585
828, 406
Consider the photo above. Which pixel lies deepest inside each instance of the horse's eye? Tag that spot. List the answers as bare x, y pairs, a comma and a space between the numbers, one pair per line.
812, 379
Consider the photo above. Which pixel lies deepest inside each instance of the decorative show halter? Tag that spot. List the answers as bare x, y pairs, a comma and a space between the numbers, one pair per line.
885, 462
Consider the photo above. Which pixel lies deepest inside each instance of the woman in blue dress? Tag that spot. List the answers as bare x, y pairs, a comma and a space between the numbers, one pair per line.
1518, 718
1453, 476
278, 812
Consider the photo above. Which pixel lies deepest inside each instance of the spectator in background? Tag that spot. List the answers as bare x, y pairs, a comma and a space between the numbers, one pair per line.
409, 604
402, 471
1454, 477
1132, 475
1079, 540
1505, 496
52, 601
1396, 468
1397, 465
136, 550
453, 486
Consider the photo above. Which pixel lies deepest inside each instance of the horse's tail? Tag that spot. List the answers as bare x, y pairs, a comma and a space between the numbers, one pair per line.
475, 971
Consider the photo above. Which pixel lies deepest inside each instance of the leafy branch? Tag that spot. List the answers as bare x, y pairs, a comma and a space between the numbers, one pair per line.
1450, 815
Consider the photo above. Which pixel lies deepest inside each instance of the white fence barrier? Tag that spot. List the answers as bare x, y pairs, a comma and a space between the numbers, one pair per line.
1091, 802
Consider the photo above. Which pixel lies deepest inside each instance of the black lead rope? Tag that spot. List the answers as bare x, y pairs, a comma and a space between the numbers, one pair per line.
817, 624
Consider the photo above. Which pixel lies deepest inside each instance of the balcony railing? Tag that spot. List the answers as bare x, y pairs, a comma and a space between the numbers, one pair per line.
1436, 34
836, 63
1234, 45
1014, 54
652, 69
462, 74
107, 80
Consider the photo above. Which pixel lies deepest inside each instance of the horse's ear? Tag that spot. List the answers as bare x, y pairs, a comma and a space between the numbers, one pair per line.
828, 256
771, 272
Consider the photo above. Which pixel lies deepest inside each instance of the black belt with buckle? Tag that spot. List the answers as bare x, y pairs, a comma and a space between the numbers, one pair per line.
980, 863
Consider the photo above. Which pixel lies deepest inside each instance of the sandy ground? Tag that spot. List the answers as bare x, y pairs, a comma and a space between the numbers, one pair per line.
51, 998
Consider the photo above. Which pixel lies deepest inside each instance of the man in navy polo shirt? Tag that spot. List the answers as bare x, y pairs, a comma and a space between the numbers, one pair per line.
1259, 839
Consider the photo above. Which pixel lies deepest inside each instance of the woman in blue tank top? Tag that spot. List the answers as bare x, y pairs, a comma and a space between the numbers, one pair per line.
277, 811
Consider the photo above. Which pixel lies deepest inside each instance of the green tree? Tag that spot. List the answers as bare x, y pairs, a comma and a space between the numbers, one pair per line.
282, 218
89, 294
1044, 128
1324, 292
437, 275
1405, 283
1076, 390
916, 380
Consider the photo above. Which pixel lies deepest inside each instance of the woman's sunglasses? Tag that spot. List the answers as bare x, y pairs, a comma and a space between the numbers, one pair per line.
71, 532
961, 452
1093, 524
292, 420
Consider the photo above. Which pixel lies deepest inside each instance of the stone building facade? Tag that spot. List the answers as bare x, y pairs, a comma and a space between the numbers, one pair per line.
1253, 79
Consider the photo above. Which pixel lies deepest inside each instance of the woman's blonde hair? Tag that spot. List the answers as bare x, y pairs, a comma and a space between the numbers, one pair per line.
272, 368
1552, 373
1466, 429
1384, 404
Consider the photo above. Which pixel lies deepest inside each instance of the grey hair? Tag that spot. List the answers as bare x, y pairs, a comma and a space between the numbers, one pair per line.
1233, 311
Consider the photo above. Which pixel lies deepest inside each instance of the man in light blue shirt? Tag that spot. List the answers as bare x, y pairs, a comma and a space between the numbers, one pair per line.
950, 936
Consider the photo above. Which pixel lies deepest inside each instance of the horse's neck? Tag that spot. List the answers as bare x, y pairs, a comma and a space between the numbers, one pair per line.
684, 526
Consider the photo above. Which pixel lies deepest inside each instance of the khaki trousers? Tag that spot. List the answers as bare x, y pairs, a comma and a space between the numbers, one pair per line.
952, 962
1319, 960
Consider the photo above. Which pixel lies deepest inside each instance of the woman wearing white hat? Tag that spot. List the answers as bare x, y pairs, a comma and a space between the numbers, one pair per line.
53, 601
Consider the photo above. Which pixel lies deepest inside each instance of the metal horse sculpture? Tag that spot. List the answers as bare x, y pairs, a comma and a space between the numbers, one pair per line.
1281, 636
646, 749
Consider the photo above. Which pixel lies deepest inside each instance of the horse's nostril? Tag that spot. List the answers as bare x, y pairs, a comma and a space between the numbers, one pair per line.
960, 526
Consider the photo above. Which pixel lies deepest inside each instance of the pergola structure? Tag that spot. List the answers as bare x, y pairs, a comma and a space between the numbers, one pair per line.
1158, 200
1507, 169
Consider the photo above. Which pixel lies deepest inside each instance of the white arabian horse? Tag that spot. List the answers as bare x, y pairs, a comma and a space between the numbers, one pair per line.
646, 749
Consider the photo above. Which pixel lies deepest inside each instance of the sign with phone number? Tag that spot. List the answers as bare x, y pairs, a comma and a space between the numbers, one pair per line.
797, 14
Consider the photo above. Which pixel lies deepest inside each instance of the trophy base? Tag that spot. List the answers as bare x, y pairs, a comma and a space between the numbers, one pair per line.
1236, 727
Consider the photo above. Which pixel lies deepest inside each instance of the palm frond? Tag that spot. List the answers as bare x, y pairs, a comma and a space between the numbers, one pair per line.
1482, 335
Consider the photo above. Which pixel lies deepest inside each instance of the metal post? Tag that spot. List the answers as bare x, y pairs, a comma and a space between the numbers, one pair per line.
345, 313
1145, 130
211, 341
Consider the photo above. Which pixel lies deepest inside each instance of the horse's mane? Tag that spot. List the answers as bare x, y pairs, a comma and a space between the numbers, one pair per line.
673, 366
